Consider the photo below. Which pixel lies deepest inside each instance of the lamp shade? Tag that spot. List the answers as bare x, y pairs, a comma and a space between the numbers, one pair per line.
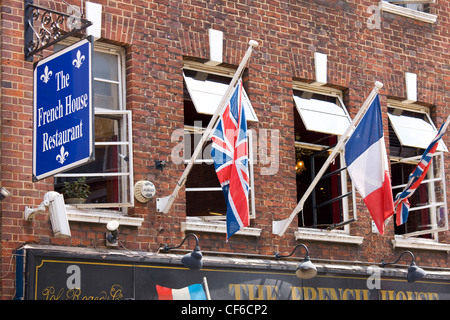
306, 269
415, 273
193, 260
4, 193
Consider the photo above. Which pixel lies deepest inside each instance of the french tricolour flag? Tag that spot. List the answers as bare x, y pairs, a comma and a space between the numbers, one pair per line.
367, 164
192, 292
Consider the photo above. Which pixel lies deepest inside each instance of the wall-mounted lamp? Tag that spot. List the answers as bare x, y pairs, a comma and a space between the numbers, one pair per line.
306, 269
112, 236
160, 164
414, 272
191, 260
4, 193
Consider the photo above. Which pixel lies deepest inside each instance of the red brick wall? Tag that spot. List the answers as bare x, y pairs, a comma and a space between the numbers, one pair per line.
156, 35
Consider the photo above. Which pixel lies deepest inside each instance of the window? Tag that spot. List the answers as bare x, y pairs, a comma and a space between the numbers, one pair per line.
418, 5
414, 9
202, 95
410, 133
110, 176
320, 118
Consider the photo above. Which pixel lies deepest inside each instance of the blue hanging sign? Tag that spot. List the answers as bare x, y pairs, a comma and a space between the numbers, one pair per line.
63, 135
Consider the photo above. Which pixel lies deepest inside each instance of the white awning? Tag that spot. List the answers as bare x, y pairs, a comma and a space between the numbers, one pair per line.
206, 96
322, 116
415, 132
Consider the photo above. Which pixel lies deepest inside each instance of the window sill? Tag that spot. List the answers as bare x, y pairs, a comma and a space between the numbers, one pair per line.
328, 236
406, 12
200, 225
417, 243
101, 216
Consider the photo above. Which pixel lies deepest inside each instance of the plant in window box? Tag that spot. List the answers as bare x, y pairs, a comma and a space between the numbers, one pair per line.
76, 192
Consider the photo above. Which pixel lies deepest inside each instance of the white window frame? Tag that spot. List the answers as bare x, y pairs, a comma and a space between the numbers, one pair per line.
126, 140
433, 205
430, 180
304, 233
393, 7
190, 130
86, 212
216, 224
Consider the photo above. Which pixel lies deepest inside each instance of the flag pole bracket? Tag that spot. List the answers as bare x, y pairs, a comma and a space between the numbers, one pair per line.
161, 203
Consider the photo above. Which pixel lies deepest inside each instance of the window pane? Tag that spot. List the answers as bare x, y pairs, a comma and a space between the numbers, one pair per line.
423, 7
105, 66
418, 220
417, 6
202, 176
205, 203
326, 190
107, 129
319, 211
106, 95
104, 189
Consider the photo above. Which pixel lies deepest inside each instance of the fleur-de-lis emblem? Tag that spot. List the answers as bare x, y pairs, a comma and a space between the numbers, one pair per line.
62, 156
46, 75
79, 60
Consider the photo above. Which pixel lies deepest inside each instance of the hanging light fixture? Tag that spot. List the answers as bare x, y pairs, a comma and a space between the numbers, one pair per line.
300, 155
191, 260
414, 272
300, 166
306, 269
4, 193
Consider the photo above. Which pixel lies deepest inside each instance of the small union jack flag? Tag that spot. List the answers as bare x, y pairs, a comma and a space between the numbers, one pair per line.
230, 154
401, 203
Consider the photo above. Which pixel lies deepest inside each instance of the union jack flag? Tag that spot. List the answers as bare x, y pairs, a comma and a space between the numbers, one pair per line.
230, 154
401, 203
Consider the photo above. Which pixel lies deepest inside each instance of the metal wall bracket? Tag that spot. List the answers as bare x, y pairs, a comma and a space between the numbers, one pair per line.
46, 27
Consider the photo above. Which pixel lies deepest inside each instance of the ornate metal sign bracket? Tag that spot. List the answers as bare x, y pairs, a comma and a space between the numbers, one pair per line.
50, 28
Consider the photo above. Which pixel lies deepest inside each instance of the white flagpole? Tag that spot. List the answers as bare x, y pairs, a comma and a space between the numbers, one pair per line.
164, 204
206, 288
445, 125
280, 227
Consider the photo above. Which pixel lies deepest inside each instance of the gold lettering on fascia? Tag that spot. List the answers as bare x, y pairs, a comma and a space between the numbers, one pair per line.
270, 292
51, 293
